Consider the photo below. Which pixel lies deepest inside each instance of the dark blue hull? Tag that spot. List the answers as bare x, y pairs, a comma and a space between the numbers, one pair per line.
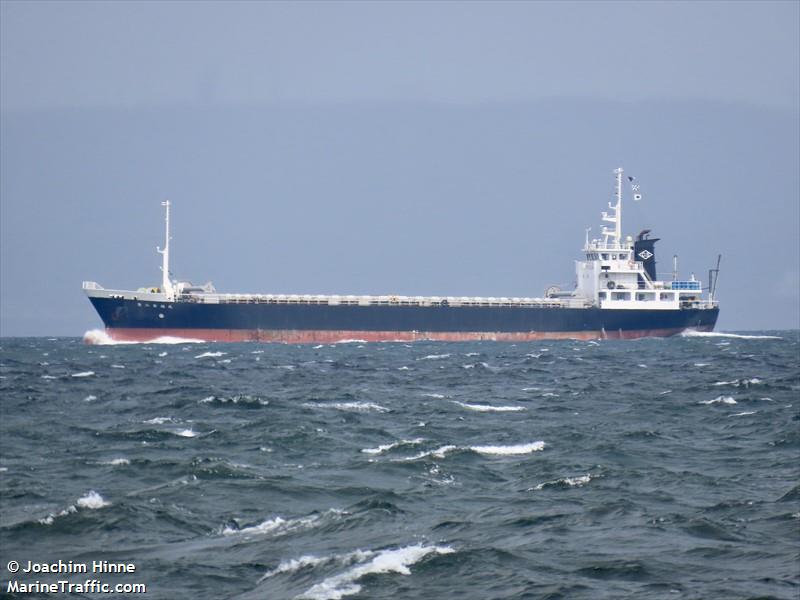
308, 322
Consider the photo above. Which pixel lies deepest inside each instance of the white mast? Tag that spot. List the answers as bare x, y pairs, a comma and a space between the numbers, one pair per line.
616, 218
166, 284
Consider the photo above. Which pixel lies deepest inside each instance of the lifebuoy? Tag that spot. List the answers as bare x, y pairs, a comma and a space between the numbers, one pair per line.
611, 285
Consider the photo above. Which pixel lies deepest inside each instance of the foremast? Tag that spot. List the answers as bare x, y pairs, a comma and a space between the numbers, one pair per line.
166, 285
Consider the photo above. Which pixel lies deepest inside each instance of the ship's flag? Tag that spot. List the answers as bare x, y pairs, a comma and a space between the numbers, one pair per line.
635, 188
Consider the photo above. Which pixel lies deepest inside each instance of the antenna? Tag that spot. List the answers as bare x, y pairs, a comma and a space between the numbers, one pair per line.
674, 267
166, 284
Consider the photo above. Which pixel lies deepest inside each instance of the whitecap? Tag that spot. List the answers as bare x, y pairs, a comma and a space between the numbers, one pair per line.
89, 398
348, 406
83, 374
385, 561
719, 400
318, 346
280, 526
293, 565
438, 396
566, 481
92, 500
434, 357
186, 433
386, 447
744, 414
48, 520
351, 342
438, 453
211, 354
489, 407
509, 450
117, 366
403, 368
296, 564
162, 354
740, 382
158, 420
115, 462
702, 364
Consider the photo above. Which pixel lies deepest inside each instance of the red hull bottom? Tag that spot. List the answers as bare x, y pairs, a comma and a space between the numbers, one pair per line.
296, 336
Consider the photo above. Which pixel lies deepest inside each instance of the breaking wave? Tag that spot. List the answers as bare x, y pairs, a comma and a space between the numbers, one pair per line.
384, 561
513, 450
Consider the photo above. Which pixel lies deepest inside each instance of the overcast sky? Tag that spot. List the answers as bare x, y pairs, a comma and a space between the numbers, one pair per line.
132, 53
376, 147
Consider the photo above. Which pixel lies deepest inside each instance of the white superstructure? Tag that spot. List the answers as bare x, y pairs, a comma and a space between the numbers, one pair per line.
612, 277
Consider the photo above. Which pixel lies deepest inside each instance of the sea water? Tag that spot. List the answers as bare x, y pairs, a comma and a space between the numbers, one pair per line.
657, 468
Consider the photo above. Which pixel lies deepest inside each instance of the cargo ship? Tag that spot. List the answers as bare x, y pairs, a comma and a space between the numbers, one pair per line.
616, 295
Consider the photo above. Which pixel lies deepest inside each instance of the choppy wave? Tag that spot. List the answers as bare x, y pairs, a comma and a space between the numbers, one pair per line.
410, 466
